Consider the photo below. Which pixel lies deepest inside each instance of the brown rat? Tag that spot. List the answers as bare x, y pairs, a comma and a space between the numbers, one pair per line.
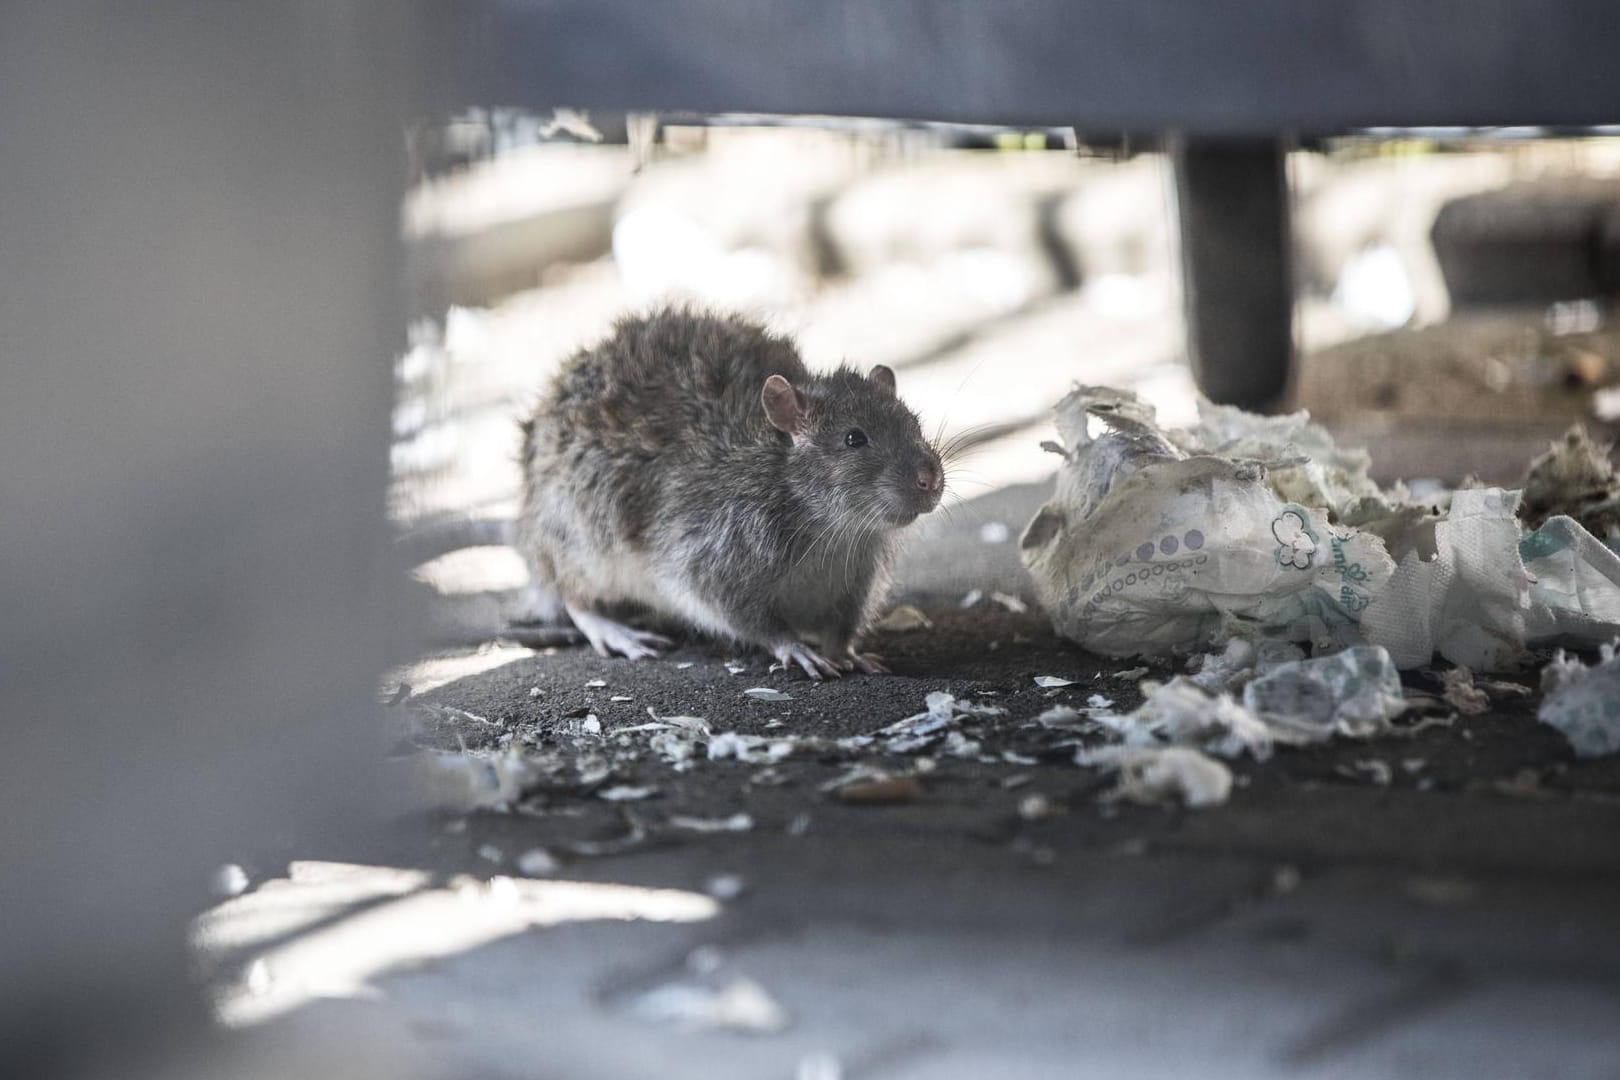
692, 465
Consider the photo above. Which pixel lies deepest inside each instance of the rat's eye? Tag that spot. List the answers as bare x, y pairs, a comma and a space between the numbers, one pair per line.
855, 438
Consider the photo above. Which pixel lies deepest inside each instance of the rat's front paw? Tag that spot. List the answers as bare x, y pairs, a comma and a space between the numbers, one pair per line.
814, 664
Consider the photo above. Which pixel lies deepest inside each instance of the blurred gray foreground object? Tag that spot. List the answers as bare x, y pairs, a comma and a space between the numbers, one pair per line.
198, 231
1223, 75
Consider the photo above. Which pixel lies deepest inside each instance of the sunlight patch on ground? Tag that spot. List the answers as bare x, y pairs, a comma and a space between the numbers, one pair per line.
329, 930
436, 671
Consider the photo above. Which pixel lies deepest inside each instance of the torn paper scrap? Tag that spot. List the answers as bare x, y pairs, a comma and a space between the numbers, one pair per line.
1583, 702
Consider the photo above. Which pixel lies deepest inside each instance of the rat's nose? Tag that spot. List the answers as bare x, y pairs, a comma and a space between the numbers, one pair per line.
930, 479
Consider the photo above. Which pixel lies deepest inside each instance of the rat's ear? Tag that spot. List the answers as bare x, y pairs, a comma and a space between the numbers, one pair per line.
883, 376
785, 407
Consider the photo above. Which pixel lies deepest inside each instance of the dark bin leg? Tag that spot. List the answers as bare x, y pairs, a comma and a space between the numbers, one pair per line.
1232, 202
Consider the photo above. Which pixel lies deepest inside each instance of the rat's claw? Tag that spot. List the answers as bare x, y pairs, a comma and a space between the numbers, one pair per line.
608, 637
869, 664
814, 664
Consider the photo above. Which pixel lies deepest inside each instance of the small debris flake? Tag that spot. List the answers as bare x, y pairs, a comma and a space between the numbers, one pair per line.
626, 793
880, 792
904, 617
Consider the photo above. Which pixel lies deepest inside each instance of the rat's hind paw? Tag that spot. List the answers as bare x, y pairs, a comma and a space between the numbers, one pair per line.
608, 637
868, 663
814, 664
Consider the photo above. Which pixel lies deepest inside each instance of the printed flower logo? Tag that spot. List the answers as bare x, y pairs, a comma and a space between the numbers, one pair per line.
1296, 545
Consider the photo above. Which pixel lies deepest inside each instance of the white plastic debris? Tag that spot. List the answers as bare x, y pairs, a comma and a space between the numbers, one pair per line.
1182, 713
1152, 548
751, 749
1010, 602
1050, 682
1061, 717
537, 862
1376, 771
725, 886
971, 598
1356, 692
1163, 774
596, 684
1034, 807
959, 745
1492, 590
625, 793
1467, 602
904, 617
1583, 702
1161, 542
736, 1004
695, 724
675, 747
943, 710
229, 880
765, 693
738, 822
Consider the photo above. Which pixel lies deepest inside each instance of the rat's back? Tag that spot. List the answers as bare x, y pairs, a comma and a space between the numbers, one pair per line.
672, 381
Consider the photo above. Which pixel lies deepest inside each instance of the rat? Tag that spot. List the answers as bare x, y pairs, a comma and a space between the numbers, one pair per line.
691, 464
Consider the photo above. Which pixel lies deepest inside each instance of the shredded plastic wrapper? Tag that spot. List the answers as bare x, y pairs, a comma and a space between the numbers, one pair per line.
1584, 702
1250, 527
1164, 774
1284, 700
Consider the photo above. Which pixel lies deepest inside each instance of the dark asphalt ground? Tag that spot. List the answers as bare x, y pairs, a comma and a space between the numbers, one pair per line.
1462, 920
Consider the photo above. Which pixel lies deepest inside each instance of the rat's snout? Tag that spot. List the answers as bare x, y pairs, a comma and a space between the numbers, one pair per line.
930, 479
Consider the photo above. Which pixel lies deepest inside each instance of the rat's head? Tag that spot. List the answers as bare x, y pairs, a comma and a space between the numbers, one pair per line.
857, 450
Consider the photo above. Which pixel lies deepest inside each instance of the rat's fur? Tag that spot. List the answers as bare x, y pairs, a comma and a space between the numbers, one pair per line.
652, 475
